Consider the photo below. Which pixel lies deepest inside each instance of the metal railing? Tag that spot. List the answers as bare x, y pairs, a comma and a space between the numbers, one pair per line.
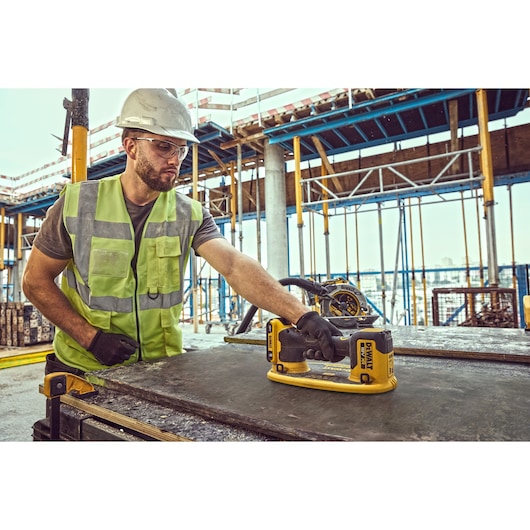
316, 190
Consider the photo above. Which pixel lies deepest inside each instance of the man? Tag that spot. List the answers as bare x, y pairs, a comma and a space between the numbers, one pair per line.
123, 243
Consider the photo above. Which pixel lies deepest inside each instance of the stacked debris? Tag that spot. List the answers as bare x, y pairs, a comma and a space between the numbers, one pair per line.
491, 317
23, 325
491, 307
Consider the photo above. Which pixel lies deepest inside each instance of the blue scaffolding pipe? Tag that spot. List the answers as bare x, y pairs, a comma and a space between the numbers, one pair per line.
454, 315
523, 289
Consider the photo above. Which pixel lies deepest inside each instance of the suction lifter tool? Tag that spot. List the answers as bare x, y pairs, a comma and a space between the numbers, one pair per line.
371, 360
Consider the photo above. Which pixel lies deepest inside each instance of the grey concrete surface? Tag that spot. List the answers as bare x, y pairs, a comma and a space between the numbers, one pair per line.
21, 404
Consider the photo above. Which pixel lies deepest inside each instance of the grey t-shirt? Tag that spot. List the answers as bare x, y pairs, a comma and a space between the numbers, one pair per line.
54, 241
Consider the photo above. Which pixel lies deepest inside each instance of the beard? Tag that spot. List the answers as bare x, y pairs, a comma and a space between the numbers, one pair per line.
148, 174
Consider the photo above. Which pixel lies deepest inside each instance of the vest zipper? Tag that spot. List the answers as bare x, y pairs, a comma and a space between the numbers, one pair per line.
136, 314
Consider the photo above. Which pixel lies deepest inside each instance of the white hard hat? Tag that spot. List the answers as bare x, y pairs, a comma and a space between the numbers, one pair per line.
158, 111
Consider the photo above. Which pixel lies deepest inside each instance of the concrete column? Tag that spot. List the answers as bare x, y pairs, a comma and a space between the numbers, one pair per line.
276, 212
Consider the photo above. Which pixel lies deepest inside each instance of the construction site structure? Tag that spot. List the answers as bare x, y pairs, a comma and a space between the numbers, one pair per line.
304, 160
333, 154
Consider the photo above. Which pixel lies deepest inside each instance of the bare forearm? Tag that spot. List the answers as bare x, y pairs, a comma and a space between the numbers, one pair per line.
54, 306
250, 280
42, 291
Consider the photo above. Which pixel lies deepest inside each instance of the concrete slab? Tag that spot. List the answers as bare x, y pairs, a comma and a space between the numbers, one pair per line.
436, 399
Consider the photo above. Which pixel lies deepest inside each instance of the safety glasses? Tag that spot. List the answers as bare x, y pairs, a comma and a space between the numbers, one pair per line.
167, 149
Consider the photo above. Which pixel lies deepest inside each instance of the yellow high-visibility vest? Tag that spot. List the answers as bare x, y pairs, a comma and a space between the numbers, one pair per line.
100, 281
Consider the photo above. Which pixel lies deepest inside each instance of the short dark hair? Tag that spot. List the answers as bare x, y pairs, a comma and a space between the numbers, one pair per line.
129, 132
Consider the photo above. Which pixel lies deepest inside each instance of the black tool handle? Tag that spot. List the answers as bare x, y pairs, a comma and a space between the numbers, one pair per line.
294, 344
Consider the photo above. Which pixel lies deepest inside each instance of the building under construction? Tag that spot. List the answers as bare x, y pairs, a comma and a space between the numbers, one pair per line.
305, 170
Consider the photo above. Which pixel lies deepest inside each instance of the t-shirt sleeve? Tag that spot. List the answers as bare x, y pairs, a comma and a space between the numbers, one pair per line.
208, 230
52, 238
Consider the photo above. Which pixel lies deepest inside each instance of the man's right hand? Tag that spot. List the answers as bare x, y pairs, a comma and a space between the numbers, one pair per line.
312, 324
112, 348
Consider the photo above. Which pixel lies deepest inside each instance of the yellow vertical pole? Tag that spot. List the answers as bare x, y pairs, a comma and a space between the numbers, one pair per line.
486, 165
346, 250
232, 222
357, 250
464, 229
240, 197
233, 203
481, 266
259, 323
195, 162
19, 236
312, 252
79, 154
413, 271
210, 303
325, 211
382, 260
298, 198
297, 180
470, 297
195, 195
79, 133
200, 289
2, 236
423, 277
514, 276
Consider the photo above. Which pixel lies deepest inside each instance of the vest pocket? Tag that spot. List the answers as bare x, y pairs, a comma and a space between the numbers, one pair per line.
168, 260
109, 263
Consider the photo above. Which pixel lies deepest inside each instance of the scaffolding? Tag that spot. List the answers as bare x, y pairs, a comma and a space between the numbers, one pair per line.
331, 124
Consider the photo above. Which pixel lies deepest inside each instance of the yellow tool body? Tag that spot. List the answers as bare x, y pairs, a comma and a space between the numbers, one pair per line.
371, 360
526, 305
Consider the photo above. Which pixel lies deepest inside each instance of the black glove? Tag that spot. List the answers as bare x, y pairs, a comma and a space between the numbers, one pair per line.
319, 328
112, 348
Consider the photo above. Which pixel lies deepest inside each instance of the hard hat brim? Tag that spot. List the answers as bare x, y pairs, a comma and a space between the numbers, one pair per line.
175, 133
162, 131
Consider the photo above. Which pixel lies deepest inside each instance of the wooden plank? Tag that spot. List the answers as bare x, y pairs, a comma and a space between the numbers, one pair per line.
22, 350
488, 344
121, 420
326, 163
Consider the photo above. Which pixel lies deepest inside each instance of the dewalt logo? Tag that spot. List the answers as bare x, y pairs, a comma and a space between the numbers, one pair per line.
367, 355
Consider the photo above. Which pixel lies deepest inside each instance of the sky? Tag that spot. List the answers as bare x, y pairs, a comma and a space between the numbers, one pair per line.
30, 118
